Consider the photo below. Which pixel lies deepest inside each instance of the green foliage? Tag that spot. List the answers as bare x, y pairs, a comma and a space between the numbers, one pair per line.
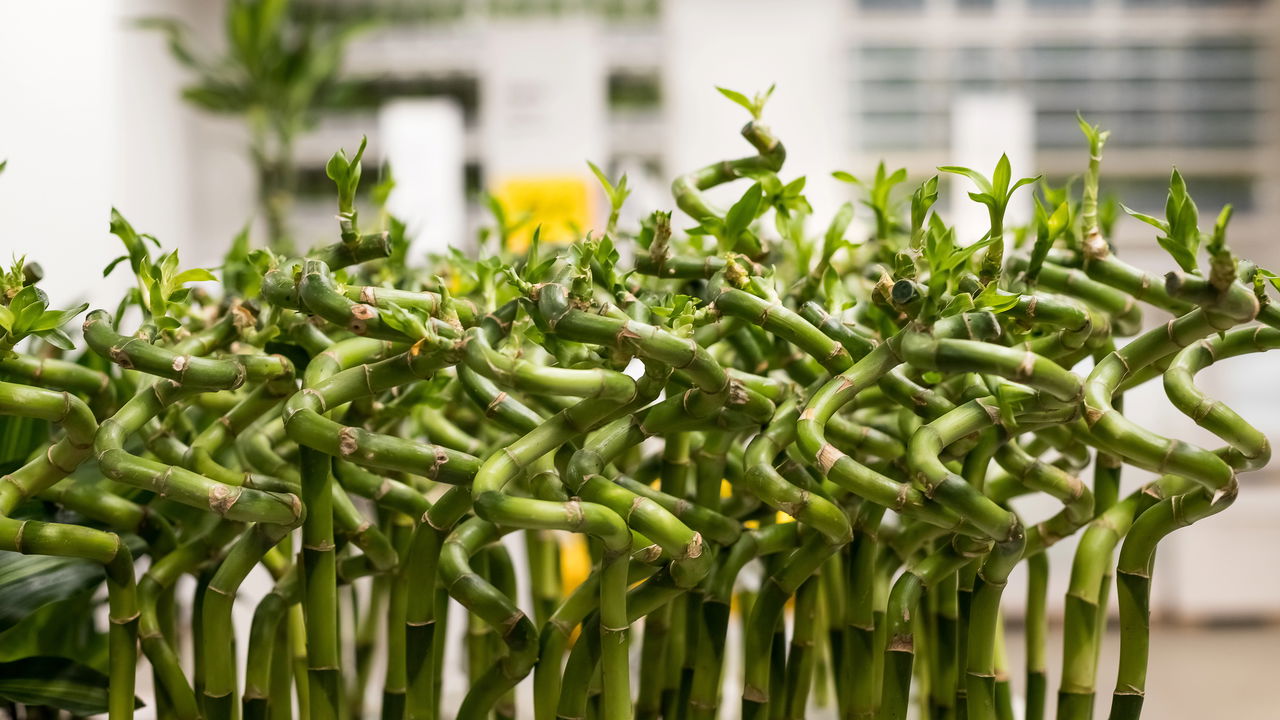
734, 227
404, 320
1180, 232
24, 310
504, 224
617, 194
943, 256
55, 682
161, 291
922, 201
345, 173
1048, 228
829, 380
880, 196
243, 268
754, 105
30, 582
995, 192
273, 65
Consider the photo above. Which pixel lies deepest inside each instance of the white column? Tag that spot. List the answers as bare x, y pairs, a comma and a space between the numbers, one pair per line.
91, 121
984, 125
423, 140
56, 131
543, 114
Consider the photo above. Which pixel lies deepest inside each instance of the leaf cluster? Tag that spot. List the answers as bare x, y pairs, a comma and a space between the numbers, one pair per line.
161, 290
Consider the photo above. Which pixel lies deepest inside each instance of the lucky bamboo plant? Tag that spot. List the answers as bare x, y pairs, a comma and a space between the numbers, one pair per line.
388, 442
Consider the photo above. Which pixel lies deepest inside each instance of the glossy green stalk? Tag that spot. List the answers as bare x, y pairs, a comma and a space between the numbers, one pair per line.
320, 588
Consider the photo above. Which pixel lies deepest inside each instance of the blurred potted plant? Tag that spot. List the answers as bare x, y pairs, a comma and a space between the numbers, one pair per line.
279, 67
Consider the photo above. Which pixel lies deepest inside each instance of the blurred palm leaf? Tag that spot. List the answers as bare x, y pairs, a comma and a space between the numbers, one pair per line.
55, 682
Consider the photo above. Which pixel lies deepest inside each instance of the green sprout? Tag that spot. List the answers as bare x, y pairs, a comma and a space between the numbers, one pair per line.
995, 195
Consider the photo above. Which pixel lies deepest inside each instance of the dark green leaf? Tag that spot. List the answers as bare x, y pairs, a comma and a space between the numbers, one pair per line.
57, 338
743, 212
51, 319
1181, 254
56, 682
27, 582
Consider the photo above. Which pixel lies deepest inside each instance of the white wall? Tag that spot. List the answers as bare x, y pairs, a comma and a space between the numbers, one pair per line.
747, 45
57, 131
542, 97
985, 126
92, 119
422, 141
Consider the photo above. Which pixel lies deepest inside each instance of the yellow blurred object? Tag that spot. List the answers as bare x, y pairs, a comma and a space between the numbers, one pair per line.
561, 205
783, 518
726, 490
575, 562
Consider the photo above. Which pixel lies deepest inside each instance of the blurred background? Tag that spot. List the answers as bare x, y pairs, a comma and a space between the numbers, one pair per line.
512, 97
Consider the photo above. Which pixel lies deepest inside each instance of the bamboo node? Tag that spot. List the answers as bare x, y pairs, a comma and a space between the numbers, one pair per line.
901, 643
348, 441
1026, 368
222, 498
694, 548
827, 457
648, 554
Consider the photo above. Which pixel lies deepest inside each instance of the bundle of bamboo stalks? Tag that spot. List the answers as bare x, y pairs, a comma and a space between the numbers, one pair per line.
855, 417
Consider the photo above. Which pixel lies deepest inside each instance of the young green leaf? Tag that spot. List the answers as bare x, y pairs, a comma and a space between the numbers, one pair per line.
743, 213
755, 105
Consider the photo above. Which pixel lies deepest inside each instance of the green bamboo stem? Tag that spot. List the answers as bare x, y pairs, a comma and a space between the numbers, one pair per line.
843, 469
946, 675
265, 653
306, 424
667, 266
766, 614
219, 640
784, 323
487, 602
1250, 448
802, 656
705, 691
281, 680
59, 459
1085, 607
189, 370
1135, 444
688, 189
1133, 583
162, 574
899, 650
320, 592
1036, 631
62, 375
176, 483
298, 652
1122, 308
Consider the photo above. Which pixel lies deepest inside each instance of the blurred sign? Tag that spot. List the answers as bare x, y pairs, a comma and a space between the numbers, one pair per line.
423, 141
560, 205
543, 117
